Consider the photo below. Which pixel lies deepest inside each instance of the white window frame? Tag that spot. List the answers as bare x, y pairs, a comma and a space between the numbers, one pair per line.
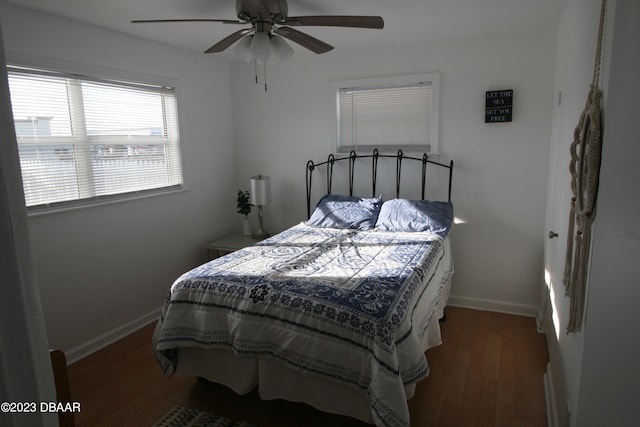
87, 196
423, 79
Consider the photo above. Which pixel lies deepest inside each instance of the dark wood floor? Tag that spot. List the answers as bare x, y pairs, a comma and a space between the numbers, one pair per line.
488, 372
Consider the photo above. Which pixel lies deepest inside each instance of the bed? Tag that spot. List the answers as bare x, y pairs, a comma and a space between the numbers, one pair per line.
336, 311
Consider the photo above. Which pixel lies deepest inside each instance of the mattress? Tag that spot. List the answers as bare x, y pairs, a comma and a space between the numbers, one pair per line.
336, 318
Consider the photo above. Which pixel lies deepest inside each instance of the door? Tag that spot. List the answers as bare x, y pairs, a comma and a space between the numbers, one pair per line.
574, 72
554, 303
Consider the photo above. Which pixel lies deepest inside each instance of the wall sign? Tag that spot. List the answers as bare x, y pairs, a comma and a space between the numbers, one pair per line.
498, 106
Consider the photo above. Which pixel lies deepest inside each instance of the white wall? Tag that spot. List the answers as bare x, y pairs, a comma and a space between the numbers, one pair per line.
610, 380
101, 268
499, 182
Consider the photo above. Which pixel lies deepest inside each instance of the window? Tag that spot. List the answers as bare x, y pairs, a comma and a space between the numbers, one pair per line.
85, 139
388, 113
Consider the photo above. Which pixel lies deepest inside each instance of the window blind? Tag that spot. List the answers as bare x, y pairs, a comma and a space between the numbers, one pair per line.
87, 139
394, 115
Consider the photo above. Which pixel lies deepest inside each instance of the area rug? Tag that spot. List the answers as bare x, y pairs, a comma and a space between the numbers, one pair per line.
181, 416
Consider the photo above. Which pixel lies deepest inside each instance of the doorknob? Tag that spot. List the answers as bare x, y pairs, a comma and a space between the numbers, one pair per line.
552, 234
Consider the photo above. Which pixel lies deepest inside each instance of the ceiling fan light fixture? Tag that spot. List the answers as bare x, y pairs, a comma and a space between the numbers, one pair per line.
280, 49
243, 49
260, 47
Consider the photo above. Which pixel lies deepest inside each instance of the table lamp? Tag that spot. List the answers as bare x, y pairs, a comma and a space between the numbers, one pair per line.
260, 196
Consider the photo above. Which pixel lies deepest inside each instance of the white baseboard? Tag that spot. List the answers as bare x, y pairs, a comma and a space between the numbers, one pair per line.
491, 305
95, 344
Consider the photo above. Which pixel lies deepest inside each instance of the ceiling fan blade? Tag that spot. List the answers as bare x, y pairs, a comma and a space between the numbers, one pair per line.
228, 41
224, 21
337, 21
305, 40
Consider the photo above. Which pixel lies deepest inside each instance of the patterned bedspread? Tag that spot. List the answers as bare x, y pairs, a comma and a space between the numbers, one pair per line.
343, 304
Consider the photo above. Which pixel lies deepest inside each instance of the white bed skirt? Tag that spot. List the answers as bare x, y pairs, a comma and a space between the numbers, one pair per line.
275, 380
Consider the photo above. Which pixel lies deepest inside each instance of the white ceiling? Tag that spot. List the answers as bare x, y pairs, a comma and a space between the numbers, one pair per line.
406, 21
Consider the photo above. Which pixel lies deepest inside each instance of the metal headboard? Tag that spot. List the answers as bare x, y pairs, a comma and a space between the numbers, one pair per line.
331, 160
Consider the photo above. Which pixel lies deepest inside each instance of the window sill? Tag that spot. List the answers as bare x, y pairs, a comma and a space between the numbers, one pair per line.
38, 211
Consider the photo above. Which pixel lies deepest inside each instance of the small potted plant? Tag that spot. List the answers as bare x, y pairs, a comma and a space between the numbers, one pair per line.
244, 208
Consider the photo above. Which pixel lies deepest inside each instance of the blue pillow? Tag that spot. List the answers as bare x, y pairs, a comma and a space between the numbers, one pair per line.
416, 215
335, 211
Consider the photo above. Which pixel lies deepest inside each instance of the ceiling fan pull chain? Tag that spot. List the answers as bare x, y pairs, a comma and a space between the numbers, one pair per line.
255, 67
264, 68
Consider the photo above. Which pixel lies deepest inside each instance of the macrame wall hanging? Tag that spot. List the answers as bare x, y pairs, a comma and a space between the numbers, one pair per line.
584, 167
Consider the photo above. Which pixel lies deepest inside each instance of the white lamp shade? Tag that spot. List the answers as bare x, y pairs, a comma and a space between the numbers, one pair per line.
264, 48
260, 47
243, 48
280, 50
260, 190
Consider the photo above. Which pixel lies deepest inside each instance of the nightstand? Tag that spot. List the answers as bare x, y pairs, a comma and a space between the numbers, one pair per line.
229, 244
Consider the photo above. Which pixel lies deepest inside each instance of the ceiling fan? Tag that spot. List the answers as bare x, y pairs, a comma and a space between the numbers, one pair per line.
269, 19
